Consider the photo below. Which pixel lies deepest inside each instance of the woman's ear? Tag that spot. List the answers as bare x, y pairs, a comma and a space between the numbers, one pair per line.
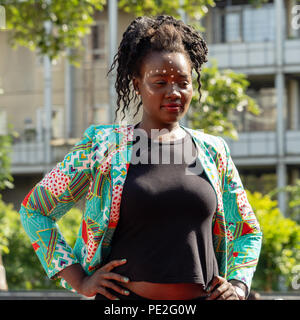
135, 82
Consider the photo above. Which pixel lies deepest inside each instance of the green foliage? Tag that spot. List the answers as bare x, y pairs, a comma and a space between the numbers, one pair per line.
4, 226
71, 20
69, 225
193, 8
281, 244
293, 193
6, 178
23, 269
221, 93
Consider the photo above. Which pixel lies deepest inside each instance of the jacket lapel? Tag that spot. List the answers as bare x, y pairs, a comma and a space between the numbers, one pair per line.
120, 149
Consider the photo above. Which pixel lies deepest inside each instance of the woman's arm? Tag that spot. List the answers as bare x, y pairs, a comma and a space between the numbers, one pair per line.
50, 199
89, 286
245, 237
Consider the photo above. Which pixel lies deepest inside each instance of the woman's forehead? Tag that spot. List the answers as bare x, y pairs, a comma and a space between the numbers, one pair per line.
166, 62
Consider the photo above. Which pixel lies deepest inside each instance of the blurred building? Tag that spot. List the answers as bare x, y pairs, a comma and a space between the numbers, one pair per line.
264, 44
80, 97
260, 42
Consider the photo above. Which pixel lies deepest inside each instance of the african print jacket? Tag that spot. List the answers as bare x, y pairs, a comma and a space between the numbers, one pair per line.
96, 168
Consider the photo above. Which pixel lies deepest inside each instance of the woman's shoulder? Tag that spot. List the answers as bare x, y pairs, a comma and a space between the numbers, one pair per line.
104, 131
209, 140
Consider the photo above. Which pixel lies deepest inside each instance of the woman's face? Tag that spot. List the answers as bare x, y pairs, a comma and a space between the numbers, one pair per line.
165, 86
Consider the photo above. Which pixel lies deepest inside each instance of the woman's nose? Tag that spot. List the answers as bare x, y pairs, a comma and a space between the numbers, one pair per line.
173, 92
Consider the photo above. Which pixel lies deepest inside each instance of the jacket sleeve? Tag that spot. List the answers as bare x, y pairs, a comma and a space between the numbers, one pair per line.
50, 199
242, 228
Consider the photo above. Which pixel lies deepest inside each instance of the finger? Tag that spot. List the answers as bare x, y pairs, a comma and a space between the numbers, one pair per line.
233, 297
227, 295
114, 276
217, 280
113, 286
106, 293
112, 264
218, 291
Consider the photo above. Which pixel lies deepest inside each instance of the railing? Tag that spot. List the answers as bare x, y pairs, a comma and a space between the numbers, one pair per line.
32, 154
254, 55
28, 153
253, 144
263, 144
250, 145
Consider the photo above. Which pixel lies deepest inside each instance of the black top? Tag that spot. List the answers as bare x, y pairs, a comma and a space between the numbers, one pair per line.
165, 225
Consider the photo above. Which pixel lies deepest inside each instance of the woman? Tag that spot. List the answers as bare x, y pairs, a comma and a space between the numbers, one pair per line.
164, 230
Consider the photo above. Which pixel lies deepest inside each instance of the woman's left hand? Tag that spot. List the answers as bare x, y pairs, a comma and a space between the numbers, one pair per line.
221, 289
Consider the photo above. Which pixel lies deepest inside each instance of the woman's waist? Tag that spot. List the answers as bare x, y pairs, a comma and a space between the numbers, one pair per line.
166, 291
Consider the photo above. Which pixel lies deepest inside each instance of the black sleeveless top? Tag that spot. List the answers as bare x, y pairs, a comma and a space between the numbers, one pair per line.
165, 225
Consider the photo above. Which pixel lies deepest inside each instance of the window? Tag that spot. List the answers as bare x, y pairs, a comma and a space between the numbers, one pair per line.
57, 123
266, 121
244, 23
97, 41
259, 24
233, 27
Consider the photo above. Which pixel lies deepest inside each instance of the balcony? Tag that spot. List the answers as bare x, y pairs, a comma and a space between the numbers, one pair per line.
244, 37
29, 157
260, 148
252, 149
255, 58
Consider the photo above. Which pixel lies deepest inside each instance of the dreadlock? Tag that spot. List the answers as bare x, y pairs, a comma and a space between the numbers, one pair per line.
144, 35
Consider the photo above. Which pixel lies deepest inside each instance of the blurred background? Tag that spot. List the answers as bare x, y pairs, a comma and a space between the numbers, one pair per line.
54, 59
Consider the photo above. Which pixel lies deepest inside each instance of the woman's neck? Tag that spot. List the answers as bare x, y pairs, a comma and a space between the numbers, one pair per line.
166, 133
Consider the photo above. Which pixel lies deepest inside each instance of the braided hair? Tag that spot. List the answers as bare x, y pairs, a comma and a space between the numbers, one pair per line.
145, 35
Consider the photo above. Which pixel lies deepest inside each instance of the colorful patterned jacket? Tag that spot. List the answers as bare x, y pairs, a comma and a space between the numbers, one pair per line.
96, 167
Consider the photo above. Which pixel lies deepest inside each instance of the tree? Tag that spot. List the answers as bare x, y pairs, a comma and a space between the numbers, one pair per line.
72, 19
5, 182
193, 8
6, 137
293, 193
221, 94
280, 252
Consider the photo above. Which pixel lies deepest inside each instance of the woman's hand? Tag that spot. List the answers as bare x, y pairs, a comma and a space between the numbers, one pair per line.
221, 289
100, 280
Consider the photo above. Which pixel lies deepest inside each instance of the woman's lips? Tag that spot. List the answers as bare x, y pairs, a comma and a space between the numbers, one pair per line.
172, 107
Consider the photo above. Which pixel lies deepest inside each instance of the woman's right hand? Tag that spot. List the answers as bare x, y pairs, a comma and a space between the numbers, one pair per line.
100, 280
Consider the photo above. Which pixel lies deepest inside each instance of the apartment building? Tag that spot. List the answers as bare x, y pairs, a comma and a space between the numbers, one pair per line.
260, 42
264, 44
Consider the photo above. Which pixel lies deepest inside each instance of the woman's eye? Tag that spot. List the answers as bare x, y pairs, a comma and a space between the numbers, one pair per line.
184, 84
